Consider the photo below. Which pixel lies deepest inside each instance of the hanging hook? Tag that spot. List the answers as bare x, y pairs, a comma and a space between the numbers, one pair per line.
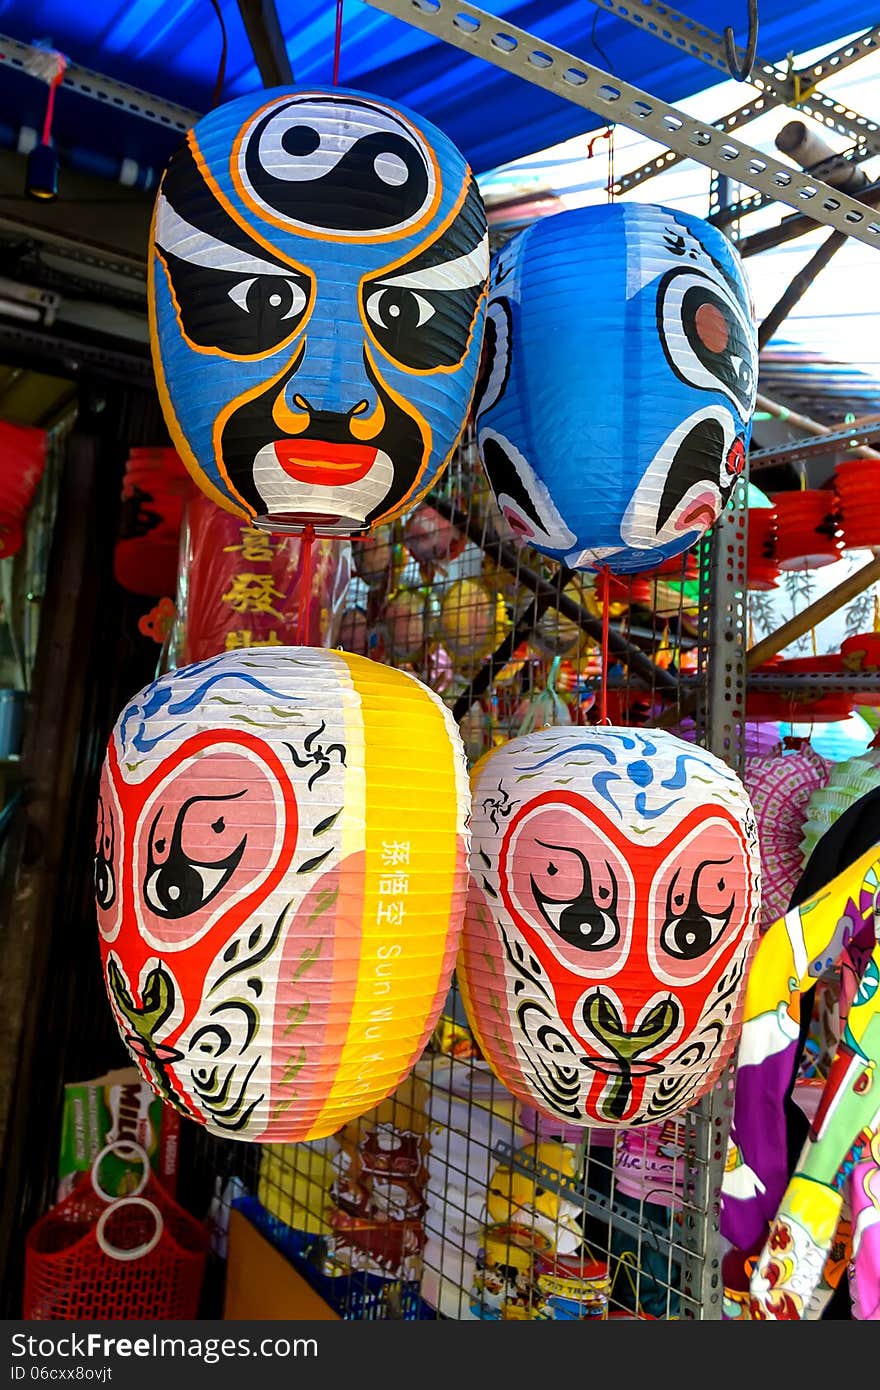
742, 73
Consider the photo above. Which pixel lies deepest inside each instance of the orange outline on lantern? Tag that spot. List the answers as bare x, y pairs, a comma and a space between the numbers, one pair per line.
229, 208
178, 438
218, 352
323, 234
277, 254
401, 261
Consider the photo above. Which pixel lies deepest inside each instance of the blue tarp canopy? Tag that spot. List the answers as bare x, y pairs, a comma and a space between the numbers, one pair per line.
173, 50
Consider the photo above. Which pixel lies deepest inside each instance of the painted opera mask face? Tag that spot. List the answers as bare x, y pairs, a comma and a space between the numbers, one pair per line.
615, 891
618, 383
319, 263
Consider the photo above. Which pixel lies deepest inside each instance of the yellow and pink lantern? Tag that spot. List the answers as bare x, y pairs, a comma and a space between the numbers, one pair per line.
278, 915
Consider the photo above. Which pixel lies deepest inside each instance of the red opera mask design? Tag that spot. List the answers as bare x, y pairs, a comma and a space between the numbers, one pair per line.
611, 919
239, 888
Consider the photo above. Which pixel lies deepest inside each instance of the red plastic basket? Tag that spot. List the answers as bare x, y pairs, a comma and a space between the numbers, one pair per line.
96, 1256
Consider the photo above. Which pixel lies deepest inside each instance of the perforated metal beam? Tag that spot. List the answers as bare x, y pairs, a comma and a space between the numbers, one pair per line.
117, 95
484, 36
839, 440
787, 87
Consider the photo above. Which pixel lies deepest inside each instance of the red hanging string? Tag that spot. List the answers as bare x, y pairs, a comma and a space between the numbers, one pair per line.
50, 103
306, 576
337, 44
605, 600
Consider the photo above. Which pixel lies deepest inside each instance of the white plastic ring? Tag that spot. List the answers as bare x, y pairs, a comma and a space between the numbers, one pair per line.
125, 1149
146, 1246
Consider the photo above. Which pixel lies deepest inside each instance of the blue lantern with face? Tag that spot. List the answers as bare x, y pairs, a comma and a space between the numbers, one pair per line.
318, 275
618, 383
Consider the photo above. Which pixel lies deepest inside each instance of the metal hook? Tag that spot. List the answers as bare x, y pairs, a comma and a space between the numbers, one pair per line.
742, 73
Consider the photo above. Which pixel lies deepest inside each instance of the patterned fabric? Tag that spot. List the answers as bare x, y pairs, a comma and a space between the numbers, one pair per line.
780, 787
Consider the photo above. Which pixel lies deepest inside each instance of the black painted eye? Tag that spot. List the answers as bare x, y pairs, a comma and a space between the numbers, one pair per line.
178, 886
105, 879
582, 921
242, 316
105, 883
397, 310
269, 297
688, 932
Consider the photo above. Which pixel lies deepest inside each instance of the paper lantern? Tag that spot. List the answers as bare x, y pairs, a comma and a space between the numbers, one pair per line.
239, 587
807, 532
280, 876
431, 539
858, 502
762, 570
318, 270
780, 787
155, 490
846, 782
611, 918
406, 623
797, 705
615, 402
473, 622
860, 653
22, 462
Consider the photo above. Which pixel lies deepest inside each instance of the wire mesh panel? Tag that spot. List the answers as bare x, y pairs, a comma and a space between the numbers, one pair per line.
453, 1199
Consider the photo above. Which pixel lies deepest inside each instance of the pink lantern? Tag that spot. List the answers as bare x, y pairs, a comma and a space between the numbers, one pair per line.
780, 786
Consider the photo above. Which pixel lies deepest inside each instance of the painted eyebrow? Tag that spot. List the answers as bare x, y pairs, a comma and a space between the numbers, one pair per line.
461, 274
179, 238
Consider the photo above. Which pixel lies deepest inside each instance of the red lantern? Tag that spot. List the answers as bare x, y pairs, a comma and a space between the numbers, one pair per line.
858, 502
762, 570
682, 569
808, 533
155, 488
801, 706
22, 460
861, 655
240, 587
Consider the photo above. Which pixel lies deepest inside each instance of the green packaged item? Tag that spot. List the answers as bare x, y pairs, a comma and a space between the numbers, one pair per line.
106, 1110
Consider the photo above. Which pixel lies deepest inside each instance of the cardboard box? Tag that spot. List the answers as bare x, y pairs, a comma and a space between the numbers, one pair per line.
262, 1285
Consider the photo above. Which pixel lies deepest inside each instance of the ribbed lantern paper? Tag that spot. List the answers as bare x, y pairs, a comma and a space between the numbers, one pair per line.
318, 272
611, 919
280, 875
615, 405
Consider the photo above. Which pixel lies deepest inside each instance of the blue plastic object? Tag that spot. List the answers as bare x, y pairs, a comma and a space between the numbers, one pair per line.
357, 1296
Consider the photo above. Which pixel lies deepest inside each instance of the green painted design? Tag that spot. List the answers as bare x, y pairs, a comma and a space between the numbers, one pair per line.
323, 901
307, 960
297, 1014
293, 1067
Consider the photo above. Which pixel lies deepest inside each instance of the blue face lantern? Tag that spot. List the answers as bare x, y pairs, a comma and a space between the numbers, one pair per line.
618, 384
318, 274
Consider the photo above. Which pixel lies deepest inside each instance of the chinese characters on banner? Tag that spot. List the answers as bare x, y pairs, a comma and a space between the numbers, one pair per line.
241, 587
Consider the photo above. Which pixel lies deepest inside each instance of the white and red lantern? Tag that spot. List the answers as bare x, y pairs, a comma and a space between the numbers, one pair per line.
280, 875
611, 919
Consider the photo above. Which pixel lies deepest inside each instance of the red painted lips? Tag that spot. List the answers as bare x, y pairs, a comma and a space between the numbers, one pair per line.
331, 465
